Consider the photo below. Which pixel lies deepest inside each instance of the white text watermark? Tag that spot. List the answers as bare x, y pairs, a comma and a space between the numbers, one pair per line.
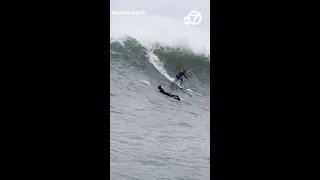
128, 13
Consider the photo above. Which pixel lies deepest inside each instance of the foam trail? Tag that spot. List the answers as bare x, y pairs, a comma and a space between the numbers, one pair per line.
154, 60
145, 82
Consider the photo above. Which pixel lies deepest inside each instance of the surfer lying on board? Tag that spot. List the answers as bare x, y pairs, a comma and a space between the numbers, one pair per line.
179, 76
163, 92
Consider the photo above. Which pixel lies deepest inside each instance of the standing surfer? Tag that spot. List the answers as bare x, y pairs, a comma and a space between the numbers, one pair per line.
179, 76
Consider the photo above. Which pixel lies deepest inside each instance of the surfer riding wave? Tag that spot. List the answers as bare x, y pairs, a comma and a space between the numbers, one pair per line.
179, 76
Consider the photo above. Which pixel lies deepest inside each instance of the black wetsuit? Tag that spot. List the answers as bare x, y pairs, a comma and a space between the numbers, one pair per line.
174, 96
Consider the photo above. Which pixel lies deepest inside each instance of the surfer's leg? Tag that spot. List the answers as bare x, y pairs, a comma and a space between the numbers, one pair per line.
177, 77
181, 81
167, 94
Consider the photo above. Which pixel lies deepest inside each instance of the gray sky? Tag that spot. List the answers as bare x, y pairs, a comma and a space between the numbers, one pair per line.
176, 9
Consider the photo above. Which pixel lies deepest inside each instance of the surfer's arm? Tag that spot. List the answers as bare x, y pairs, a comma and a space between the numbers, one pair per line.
185, 76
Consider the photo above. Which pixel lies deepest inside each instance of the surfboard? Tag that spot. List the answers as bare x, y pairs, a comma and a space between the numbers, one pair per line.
178, 85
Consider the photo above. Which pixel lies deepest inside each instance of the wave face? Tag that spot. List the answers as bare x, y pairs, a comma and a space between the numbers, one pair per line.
154, 136
161, 63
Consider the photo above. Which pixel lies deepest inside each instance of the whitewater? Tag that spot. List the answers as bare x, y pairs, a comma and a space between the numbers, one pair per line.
153, 136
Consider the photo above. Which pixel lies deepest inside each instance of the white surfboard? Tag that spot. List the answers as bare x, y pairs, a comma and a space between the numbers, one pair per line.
178, 85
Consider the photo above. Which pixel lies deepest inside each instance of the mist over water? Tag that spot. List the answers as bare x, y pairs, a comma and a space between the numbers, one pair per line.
163, 23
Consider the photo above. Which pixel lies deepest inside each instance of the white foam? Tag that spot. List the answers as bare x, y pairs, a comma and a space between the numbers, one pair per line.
150, 29
145, 82
154, 60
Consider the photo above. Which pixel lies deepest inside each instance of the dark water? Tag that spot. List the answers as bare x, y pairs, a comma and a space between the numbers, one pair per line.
154, 136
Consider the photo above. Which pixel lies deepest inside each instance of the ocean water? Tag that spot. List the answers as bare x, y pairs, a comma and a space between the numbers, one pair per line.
153, 136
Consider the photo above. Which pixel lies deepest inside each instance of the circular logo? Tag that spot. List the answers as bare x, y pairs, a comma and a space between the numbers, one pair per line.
193, 21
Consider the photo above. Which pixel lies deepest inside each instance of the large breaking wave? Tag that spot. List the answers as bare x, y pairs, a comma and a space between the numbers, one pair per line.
158, 61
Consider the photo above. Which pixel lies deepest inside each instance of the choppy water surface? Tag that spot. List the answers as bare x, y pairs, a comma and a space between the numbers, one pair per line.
154, 136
